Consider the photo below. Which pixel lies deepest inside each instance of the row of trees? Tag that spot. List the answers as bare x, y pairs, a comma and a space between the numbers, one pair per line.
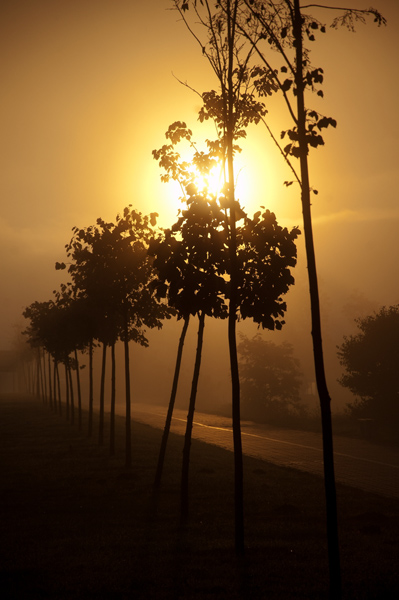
108, 299
209, 264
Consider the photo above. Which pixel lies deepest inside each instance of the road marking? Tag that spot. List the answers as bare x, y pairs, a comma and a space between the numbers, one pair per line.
262, 437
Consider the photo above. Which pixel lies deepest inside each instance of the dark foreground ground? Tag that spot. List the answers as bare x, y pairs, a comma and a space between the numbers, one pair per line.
75, 523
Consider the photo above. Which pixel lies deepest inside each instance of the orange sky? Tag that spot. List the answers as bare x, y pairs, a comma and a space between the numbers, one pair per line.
87, 94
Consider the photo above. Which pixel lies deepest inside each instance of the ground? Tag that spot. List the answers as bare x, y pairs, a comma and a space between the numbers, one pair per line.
76, 524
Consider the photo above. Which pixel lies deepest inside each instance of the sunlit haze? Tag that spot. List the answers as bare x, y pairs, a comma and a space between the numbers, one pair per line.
88, 91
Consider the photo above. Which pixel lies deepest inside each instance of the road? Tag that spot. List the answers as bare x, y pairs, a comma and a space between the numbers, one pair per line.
359, 463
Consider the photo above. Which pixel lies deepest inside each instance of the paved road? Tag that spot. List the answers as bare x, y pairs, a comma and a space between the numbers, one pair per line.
358, 463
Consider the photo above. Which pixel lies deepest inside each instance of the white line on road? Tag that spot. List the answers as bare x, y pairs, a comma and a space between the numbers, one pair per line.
263, 437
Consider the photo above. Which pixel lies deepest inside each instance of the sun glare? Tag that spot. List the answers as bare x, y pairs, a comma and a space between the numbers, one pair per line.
258, 182
210, 184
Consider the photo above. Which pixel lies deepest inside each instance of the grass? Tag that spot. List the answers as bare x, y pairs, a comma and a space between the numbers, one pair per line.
76, 524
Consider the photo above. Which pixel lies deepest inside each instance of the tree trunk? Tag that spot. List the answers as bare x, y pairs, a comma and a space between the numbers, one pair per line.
324, 397
235, 379
113, 398
55, 384
91, 396
43, 375
162, 451
71, 395
189, 426
79, 390
49, 381
66, 390
38, 373
128, 424
102, 393
58, 388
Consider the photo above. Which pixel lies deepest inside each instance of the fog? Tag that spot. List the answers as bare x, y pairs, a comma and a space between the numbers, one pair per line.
89, 92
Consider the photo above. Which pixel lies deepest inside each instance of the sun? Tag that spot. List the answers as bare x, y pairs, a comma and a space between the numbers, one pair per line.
256, 183
209, 184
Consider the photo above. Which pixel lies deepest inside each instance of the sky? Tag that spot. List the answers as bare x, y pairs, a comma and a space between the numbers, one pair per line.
90, 86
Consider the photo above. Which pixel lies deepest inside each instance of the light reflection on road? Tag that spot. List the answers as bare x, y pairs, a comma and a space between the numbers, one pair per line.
358, 463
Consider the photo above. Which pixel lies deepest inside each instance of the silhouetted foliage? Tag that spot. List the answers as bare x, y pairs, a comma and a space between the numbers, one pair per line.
265, 254
270, 381
370, 359
112, 271
189, 258
232, 107
284, 27
193, 257
53, 326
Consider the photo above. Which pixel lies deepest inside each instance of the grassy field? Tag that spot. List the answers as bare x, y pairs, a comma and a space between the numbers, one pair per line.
76, 524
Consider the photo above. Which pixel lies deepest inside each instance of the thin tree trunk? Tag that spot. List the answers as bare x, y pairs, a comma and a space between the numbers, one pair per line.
128, 424
38, 373
58, 388
113, 399
45, 378
49, 381
189, 426
102, 393
325, 400
235, 379
71, 395
91, 396
42, 375
79, 390
67, 390
162, 451
55, 384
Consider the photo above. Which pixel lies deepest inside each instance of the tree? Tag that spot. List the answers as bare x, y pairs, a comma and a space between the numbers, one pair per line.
190, 259
195, 272
112, 270
370, 360
169, 414
37, 334
232, 108
283, 27
270, 380
49, 329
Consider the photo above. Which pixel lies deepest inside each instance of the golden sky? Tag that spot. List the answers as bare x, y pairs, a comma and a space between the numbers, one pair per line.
88, 92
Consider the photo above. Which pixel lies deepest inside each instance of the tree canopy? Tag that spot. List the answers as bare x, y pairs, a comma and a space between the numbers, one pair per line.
370, 359
270, 380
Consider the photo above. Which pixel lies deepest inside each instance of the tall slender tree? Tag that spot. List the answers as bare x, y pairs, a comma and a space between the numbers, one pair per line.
283, 26
232, 107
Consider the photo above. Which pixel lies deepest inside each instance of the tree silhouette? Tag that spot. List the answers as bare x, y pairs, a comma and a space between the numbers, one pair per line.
169, 414
281, 25
194, 265
232, 108
37, 332
270, 380
111, 269
284, 27
52, 326
370, 359
188, 259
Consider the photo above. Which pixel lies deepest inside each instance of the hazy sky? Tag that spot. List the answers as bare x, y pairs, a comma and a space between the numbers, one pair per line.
88, 92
